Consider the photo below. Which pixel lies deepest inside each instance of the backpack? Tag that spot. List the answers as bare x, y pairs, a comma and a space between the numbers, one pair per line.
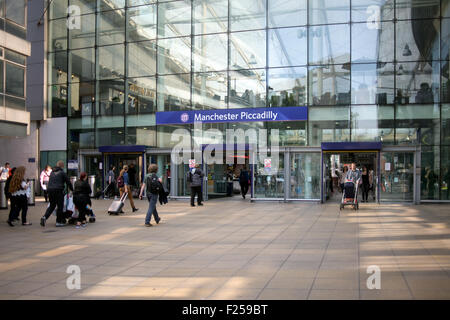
120, 182
153, 186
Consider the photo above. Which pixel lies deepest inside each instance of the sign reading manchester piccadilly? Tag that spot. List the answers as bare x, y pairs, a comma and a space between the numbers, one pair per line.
233, 115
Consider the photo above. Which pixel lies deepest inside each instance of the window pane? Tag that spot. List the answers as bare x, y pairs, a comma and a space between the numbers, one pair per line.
15, 11
445, 39
329, 85
287, 47
174, 92
210, 52
57, 67
373, 83
372, 10
247, 89
111, 98
111, 27
174, 19
82, 101
445, 80
142, 23
174, 55
142, 95
430, 157
1, 81
247, 15
141, 59
83, 65
132, 3
373, 45
15, 57
287, 87
86, 6
111, 61
209, 91
57, 34
417, 82
417, 40
248, 50
57, 9
210, 16
328, 124
330, 11
445, 173
305, 173
15, 80
85, 36
445, 138
287, 13
373, 123
58, 101
111, 4
413, 9
410, 119
329, 44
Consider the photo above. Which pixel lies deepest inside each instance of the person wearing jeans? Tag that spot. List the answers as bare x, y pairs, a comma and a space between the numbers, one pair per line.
56, 184
151, 197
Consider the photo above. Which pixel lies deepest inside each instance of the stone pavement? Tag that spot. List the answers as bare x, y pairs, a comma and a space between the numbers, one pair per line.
233, 249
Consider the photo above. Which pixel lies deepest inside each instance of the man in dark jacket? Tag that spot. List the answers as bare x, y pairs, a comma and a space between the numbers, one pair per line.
56, 184
196, 178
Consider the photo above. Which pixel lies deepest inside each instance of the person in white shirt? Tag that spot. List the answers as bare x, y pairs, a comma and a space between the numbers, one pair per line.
4, 172
19, 201
44, 178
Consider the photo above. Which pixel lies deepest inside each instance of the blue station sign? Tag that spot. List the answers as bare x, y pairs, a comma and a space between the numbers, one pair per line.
233, 115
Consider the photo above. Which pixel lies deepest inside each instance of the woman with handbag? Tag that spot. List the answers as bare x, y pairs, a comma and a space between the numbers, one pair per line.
18, 188
81, 199
44, 178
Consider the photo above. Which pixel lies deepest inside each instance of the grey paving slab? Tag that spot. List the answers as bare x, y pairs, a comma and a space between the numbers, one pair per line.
233, 249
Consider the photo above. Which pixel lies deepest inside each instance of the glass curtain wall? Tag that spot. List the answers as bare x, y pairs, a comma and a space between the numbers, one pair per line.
369, 70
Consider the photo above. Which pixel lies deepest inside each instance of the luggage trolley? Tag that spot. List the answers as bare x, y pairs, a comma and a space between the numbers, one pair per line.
350, 195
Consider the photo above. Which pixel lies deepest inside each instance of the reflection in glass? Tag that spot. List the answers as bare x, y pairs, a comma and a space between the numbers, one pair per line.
86, 6
291, 133
14, 80
415, 122
305, 173
247, 89
445, 81
445, 173
174, 92
174, 19
372, 45
269, 182
141, 95
287, 47
329, 44
288, 87
329, 85
413, 9
174, 55
210, 52
429, 178
58, 100
287, 13
417, 82
373, 83
111, 61
82, 100
83, 65
248, 50
417, 40
397, 183
209, 90
445, 39
247, 15
57, 32
111, 25
57, 66
57, 9
143, 135
373, 123
141, 59
210, 16
142, 23
329, 11
111, 4
445, 118
328, 124
372, 10
85, 36
111, 98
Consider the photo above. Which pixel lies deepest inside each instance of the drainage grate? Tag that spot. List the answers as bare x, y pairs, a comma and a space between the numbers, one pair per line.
48, 231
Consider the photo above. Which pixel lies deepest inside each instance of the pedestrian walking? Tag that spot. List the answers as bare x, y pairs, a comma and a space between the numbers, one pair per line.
132, 179
44, 178
5, 172
342, 177
111, 189
365, 185
195, 178
56, 185
81, 199
152, 186
244, 181
19, 201
123, 185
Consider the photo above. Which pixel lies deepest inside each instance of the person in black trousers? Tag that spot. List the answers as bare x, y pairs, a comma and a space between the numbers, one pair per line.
365, 184
244, 181
56, 184
196, 178
81, 198
19, 201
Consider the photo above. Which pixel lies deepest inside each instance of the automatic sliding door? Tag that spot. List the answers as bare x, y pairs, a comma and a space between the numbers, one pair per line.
397, 176
305, 176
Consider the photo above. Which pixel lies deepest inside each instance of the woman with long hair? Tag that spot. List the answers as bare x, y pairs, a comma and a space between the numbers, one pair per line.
18, 189
81, 198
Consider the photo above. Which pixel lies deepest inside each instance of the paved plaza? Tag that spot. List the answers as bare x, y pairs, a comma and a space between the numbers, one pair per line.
233, 249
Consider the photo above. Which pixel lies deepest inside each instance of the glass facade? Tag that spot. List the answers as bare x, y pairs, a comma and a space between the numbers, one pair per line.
12, 82
13, 17
368, 70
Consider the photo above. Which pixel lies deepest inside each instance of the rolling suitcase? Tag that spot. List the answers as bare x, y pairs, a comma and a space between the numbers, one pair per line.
117, 205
